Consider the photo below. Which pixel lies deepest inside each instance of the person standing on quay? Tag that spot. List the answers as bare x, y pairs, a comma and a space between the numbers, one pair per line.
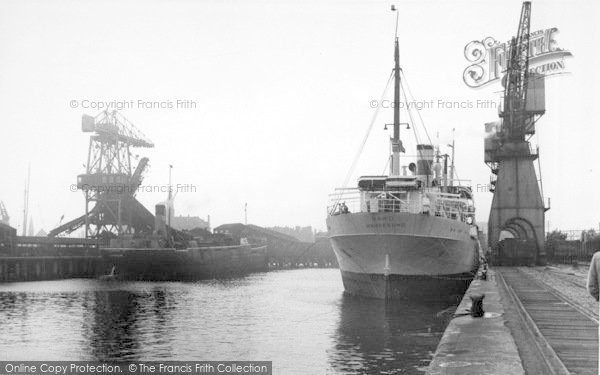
593, 282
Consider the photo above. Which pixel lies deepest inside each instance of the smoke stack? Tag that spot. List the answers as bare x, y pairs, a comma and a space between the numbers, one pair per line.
424, 162
160, 222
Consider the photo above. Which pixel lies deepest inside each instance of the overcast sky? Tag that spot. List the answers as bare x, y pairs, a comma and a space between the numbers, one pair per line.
282, 92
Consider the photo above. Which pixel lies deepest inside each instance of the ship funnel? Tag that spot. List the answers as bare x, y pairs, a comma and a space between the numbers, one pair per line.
424, 161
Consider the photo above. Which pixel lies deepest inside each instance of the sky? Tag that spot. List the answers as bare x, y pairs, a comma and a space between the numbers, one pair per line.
280, 94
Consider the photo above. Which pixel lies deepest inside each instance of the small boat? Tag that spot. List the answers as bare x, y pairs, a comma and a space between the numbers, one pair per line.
112, 276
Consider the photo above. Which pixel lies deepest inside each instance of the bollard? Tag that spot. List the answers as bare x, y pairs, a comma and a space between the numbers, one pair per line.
477, 305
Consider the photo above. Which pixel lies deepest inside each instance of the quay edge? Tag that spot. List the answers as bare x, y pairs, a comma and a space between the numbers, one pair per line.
478, 345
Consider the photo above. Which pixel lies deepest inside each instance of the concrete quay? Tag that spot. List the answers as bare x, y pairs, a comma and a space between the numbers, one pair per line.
529, 327
478, 345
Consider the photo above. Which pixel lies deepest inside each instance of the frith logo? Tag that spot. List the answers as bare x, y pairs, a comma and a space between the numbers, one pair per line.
488, 57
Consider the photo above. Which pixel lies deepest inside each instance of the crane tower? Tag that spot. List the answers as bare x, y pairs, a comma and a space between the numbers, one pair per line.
110, 182
517, 206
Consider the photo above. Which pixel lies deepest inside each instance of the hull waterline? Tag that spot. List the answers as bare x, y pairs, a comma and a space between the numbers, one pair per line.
403, 255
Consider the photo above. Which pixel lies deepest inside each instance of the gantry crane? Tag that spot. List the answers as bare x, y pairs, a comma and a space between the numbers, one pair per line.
109, 185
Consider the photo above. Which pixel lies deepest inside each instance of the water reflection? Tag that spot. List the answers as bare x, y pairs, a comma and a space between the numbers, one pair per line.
124, 322
113, 331
299, 319
398, 337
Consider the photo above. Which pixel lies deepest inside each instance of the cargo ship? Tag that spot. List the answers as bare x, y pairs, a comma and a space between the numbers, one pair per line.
196, 263
171, 255
408, 234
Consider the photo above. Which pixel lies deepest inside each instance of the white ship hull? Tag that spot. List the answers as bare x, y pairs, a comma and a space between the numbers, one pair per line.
403, 255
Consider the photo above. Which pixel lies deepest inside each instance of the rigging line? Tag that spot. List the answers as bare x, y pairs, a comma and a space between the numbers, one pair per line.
454, 169
413, 122
418, 112
366, 137
414, 128
421, 119
386, 165
419, 152
456, 174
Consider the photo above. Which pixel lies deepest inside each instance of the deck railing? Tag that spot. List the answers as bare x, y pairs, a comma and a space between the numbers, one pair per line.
350, 201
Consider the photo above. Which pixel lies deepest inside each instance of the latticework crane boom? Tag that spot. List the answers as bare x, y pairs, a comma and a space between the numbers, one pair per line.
113, 125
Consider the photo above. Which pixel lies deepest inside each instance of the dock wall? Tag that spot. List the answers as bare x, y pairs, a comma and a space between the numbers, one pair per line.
50, 267
28, 258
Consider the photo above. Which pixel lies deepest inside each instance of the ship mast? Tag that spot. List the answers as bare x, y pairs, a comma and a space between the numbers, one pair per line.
452, 161
396, 142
